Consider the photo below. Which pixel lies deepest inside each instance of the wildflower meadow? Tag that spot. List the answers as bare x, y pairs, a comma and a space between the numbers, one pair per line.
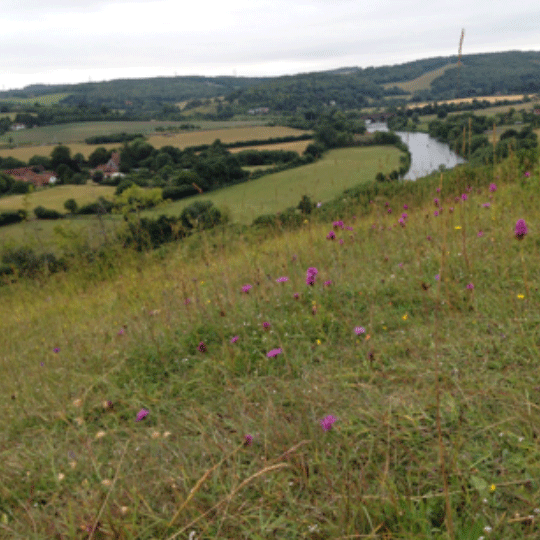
375, 375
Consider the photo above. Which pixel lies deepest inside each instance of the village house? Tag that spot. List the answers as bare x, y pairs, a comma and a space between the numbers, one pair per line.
111, 169
29, 174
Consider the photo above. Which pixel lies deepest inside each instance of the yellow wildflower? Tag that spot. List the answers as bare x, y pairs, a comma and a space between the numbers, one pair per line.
405, 317
318, 342
521, 296
457, 227
493, 487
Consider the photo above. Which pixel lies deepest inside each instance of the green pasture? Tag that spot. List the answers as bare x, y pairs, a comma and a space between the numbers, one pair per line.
337, 170
47, 99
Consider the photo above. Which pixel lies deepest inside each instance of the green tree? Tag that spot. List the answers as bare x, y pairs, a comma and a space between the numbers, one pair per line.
71, 206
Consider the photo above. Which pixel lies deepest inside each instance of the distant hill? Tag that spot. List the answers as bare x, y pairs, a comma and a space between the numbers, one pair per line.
349, 87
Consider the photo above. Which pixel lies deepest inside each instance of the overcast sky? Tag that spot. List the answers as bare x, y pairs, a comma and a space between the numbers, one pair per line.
75, 41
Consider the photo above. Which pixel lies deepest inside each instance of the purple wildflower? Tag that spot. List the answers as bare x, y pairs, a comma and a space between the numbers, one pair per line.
389, 210
527, 174
56, 350
486, 205
470, 286
337, 224
437, 277
405, 207
438, 190
492, 187
428, 237
246, 288
248, 439
234, 339
121, 332
436, 201
274, 352
282, 279
266, 325
400, 265
401, 221
143, 413
331, 235
358, 330
464, 197
341, 241
521, 229
328, 283
404, 215
436, 213
327, 422
201, 347
349, 228
480, 234
296, 296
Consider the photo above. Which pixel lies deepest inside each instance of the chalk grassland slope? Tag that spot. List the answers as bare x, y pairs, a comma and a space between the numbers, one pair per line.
337, 170
432, 383
180, 140
421, 83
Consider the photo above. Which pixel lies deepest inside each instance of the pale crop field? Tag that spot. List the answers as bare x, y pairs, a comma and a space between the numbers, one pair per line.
226, 136
421, 83
295, 146
491, 99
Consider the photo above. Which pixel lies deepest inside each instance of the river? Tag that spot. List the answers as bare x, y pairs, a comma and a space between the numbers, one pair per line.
427, 154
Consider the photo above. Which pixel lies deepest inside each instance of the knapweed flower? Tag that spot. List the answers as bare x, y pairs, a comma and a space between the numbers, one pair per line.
296, 295
428, 237
274, 352
248, 439
436, 213
310, 276
246, 288
464, 197
266, 325
389, 210
405, 207
337, 224
521, 229
359, 330
201, 347
492, 187
404, 215
436, 201
341, 241
121, 332
282, 279
349, 228
331, 235
328, 283
486, 205
527, 174
470, 286
480, 234
401, 221
234, 339
327, 422
56, 350
143, 413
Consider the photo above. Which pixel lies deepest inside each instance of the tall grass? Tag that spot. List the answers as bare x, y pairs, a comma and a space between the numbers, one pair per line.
433, 383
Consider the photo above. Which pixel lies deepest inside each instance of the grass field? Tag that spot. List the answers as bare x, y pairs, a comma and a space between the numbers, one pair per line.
55, 197
295, 146
381, 385
322, 180
421, 83
48, 99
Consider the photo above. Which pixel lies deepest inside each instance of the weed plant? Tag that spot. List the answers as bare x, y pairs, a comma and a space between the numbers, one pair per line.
221, 388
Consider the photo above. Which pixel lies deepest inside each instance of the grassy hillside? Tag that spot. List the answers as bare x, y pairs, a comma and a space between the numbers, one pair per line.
423, 82
395, 397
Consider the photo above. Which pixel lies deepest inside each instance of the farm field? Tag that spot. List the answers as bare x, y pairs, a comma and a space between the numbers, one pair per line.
195, 138
79, 131
337, 170
294, 146
180, 140
420, 83
55, 197
491, 99
47, 99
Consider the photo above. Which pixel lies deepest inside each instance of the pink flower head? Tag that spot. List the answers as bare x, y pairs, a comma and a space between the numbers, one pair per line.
436, 201
486, 205
438, 190
527, 174
492, 187
234, 339
341, 241
521, 229
327, 422
331, 235
359, 330
401, 221
201, 347
405, 207
282, 279
246, 288
266, 325
310, 276
464, 197
404, 215
143, 413
389, 210
470, 286
437, 277
56, 350
274, 352
328, 283
349, 228
296, 296
337, 224
480, 234
248, 439
436, 213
